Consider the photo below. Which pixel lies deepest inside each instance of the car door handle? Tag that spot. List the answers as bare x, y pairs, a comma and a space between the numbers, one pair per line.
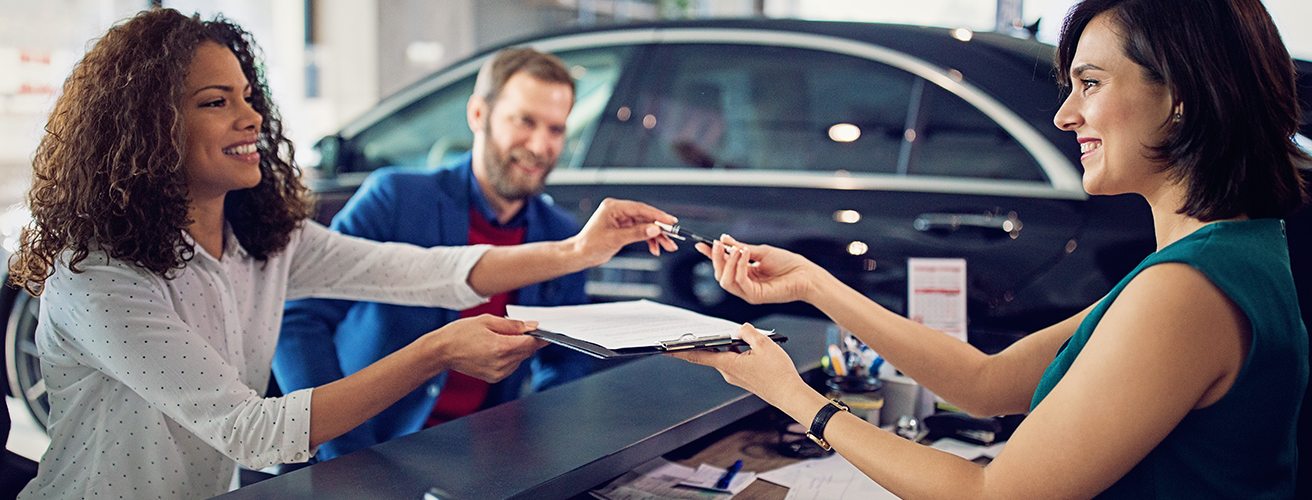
1009, 223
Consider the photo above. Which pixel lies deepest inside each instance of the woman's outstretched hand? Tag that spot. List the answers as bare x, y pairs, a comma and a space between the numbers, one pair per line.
765, 370
761, 273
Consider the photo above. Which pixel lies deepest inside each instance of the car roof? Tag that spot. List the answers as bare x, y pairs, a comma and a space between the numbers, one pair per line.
903, 37
935, 45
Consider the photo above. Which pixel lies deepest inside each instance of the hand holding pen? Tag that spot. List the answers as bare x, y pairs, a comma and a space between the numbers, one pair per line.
679, 233
762, 274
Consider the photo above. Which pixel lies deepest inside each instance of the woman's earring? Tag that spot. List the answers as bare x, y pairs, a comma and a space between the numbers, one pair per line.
1179, 110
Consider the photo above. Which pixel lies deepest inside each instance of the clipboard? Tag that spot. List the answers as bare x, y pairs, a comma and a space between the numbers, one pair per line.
684, 342
629, 329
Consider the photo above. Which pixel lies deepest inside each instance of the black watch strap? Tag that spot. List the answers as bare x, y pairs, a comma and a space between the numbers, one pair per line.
817, 431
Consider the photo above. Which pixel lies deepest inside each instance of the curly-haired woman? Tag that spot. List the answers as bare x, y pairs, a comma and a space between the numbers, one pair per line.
170, 226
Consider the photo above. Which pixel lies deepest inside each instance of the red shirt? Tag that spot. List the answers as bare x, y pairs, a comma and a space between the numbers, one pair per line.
462, 393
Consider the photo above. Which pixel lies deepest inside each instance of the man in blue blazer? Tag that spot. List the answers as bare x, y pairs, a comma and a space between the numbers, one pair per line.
491, 195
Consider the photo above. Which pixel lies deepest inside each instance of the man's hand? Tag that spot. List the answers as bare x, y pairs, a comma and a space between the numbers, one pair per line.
485, 347
617, 223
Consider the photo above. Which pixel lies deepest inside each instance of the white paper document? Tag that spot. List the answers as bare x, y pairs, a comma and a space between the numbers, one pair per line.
966, 450
831, 478
659, 480
619, 325
706, 477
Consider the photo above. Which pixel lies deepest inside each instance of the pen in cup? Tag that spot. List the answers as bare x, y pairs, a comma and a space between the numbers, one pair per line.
727, 478
837, 361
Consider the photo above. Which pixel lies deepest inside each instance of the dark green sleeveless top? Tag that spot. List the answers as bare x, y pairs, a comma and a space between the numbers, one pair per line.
1243, 446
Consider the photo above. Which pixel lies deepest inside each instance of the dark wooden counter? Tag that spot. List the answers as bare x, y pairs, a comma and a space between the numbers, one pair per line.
552, 444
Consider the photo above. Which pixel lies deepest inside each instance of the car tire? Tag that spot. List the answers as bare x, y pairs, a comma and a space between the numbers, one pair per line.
22, 363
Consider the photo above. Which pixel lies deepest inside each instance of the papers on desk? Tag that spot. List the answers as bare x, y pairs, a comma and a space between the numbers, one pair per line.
831, 478
708, 476
633, 328
966, 450
661, 479
836, 478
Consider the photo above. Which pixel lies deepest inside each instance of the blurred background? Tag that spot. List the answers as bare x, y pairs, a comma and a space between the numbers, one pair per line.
330, 60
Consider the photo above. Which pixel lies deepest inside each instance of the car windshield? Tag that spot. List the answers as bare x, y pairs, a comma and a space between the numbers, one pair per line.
433, 130
757, 107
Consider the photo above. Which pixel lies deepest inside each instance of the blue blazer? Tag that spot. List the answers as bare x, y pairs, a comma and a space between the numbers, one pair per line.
324, 340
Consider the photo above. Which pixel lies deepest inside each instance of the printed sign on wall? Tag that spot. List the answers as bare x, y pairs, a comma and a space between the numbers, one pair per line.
936, 294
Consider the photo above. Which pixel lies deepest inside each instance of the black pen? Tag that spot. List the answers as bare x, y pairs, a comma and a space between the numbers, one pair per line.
724, 481
679, 233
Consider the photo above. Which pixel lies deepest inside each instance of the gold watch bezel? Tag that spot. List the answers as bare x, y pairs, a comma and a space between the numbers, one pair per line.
819, 440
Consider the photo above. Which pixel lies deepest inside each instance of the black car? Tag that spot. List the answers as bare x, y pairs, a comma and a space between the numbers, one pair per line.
857, 145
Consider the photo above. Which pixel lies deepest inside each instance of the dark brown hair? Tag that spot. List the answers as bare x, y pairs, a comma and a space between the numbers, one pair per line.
1232, 80
497, 71
109, 175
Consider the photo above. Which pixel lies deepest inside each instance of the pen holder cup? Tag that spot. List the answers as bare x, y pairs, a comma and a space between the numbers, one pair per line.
863, 395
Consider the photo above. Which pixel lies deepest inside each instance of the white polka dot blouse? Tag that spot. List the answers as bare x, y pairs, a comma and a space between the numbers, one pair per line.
156, 385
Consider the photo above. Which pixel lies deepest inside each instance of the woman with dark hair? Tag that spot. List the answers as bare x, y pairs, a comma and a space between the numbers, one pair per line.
169, 228
1185, 380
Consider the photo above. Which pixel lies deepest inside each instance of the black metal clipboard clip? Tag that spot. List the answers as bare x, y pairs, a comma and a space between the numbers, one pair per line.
690, 341
684, 342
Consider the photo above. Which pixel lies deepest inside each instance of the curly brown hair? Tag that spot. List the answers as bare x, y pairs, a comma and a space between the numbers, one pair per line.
109, 175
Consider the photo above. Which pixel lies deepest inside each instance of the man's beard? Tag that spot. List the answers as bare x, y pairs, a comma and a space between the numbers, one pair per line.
499, 168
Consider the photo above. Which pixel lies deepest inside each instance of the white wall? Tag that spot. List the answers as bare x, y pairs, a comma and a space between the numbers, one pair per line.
346, 52
1292, 17
39, 44
278, 27
358, 63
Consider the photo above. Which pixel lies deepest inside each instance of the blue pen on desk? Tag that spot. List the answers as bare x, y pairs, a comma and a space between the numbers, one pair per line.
724, 481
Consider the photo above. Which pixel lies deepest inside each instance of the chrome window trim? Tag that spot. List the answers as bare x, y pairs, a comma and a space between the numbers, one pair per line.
406, 97
468, 68
1059, 170
783, 178
1064, 178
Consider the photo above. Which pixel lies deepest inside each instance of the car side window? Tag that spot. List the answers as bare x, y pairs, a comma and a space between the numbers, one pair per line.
595, 73
433, 130
956, 139
428, 132
740, 106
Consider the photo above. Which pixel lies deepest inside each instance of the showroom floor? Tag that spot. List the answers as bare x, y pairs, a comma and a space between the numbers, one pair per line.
26, 438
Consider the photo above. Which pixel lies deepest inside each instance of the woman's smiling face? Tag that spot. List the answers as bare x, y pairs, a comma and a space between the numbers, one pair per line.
1116, 114
221, 128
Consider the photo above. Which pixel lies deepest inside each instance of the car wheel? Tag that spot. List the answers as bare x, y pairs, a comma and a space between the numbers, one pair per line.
21, 359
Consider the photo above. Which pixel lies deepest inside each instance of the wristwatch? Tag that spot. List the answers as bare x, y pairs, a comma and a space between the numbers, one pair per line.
817, 431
